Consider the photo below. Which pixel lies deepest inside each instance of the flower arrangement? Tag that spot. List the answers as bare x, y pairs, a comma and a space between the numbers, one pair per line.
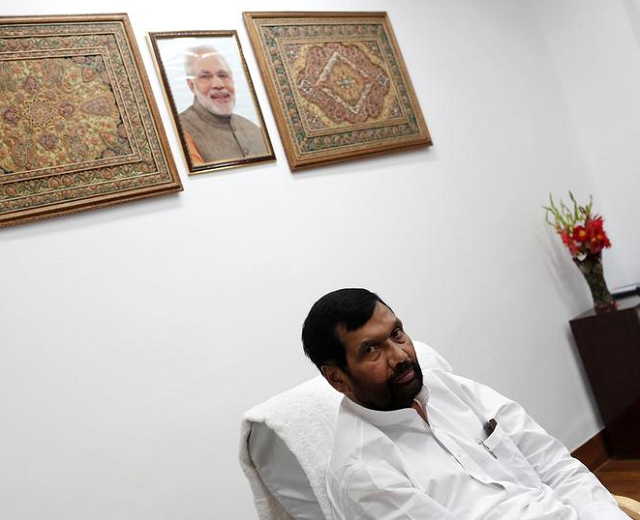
580, 230
583, 233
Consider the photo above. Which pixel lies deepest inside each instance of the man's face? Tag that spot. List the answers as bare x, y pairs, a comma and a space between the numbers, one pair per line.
382, 369
212, 84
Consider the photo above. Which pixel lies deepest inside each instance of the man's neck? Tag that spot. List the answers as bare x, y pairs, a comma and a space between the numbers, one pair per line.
422, 413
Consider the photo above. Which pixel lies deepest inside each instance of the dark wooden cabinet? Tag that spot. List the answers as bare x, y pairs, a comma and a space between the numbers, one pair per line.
609, 345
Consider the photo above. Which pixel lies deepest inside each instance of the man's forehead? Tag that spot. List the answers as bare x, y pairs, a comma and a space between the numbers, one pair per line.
381, 318
212, 61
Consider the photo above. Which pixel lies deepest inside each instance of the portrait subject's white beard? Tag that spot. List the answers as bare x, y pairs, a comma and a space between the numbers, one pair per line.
211, 106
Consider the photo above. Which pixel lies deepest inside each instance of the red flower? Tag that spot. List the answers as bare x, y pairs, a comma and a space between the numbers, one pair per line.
568, 241
597, 237
579, 234
595, 246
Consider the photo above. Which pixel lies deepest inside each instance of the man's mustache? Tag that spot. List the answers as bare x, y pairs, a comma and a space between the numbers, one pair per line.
402, 368
220, 94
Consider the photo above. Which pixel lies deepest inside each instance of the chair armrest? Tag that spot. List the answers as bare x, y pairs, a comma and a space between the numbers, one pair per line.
629, 506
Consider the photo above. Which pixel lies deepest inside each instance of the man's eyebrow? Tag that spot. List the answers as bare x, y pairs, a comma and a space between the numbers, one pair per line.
366, 342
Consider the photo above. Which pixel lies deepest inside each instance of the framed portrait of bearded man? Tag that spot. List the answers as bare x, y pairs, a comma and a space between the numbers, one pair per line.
212, 100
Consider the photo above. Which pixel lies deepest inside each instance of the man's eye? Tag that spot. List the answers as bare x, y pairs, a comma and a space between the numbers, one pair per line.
397, 333
369, 349
205, 76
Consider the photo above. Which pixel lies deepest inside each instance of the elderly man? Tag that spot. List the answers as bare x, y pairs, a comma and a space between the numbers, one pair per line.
440, 448
212, 131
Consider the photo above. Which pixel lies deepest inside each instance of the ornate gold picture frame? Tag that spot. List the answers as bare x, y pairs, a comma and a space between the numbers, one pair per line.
337, 84
78, 125
212, 100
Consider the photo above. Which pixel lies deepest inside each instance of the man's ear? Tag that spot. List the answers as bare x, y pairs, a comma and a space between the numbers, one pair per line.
336, 378
191, 85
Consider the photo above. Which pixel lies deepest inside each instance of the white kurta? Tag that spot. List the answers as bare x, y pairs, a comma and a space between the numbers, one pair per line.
395, 466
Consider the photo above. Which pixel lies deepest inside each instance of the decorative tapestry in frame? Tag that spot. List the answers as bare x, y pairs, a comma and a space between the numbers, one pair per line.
337, 84
78, 126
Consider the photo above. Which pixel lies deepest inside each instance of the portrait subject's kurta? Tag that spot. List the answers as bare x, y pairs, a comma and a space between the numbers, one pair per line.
211, 138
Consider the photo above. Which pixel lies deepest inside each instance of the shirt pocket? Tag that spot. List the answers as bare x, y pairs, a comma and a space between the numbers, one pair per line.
511, 458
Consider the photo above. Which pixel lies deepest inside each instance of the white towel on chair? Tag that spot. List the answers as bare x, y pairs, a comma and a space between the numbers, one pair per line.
304, 417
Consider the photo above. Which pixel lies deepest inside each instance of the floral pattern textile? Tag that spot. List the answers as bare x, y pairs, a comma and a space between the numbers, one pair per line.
75, 124
340, 85
58, 112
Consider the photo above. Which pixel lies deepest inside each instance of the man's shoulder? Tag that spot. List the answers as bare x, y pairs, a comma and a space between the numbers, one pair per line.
243, 123
436, 377
189, 118
347, 444
353, 441
187, 113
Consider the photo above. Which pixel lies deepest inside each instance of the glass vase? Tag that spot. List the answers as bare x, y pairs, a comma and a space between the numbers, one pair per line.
591, 269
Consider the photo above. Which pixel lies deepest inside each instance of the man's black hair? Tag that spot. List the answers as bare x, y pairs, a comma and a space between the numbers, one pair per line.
351, 308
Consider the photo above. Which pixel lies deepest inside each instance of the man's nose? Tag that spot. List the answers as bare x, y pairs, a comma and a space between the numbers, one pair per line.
217, 82
397, 354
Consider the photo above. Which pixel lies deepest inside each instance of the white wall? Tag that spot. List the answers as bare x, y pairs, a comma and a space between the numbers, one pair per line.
595, 48
133, 338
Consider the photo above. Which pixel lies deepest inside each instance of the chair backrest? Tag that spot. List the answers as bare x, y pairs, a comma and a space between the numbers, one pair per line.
287, 442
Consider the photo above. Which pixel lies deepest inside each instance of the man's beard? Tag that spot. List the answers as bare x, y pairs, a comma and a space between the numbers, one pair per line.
391, 395
208, 103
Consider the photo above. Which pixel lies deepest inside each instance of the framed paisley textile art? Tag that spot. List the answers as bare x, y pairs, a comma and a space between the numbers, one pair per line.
78, 125
337, 84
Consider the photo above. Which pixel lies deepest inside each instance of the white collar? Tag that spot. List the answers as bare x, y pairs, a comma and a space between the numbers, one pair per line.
378, 418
